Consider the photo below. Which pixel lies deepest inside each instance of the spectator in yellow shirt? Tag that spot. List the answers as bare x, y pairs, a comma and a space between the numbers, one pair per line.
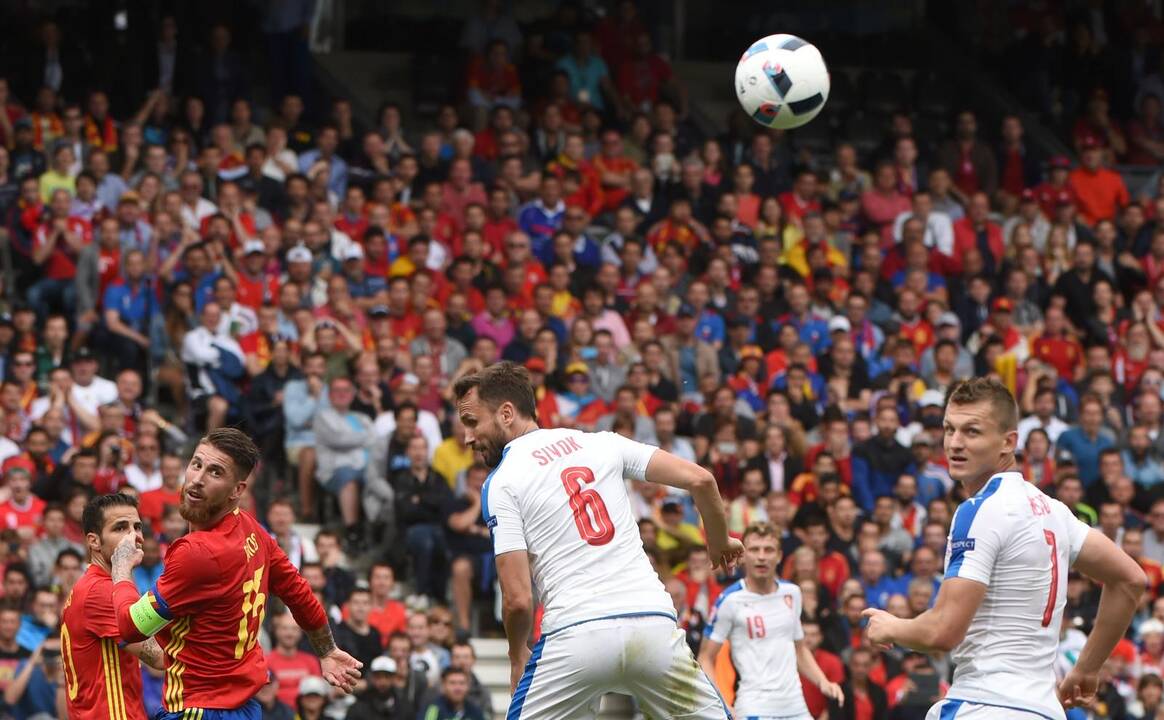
59, 175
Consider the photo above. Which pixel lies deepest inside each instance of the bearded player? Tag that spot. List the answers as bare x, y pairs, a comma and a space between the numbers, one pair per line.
557, 503
109, 684
208, 605
1001, 602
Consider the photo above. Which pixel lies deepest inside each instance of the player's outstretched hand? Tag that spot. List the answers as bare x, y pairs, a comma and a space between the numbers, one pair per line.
833, 692
126, 556
724, 558
340, 669
879, 628
1078, 689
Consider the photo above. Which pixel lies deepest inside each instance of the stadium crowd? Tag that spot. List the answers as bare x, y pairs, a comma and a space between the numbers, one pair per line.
791, 323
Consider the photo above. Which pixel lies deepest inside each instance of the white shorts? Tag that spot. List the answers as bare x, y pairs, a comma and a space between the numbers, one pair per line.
643, 656
966, 710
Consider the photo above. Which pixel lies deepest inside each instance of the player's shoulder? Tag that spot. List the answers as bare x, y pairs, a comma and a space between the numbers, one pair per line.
784, 587
93, 589
730, 594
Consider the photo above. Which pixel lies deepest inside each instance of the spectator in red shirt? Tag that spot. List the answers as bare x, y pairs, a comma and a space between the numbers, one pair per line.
153, 502
572, 167
831, 665
459, 191
970, 162
832, 567
645, 75
1100, 192
1018, 167
1097, 128
487, 143
288, 663
388, 615
22, 511
699, 580
1047, 193
493, 79
1055, 347
1146, 134
499, 223
55, 247
910, 176
977, 232
882, 203
864, 698
802, 199
614, 169
352, 219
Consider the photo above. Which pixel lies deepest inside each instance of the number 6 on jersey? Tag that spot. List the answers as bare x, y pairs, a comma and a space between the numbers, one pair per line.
590, 514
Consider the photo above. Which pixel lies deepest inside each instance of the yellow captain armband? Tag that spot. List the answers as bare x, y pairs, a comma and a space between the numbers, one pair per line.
146, 617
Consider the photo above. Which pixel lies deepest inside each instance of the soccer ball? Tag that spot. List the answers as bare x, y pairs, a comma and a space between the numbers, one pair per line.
782, 81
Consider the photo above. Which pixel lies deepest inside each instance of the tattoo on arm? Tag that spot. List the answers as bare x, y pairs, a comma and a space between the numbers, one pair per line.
321, 640
151, 654
121, 563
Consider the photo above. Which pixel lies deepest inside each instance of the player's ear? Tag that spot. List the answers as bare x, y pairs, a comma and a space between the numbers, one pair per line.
93, 542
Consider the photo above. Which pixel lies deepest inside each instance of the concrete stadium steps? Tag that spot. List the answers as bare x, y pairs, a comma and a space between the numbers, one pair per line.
493, 671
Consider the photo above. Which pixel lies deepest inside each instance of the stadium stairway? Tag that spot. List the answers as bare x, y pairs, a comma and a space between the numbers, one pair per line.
493, 671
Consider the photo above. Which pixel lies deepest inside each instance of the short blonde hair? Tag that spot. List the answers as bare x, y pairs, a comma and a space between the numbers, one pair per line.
988, 390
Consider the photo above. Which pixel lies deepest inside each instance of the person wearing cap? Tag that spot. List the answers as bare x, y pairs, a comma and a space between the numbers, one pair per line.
1030, 213
132, 230
949, 327
381, 699
1100, 191
254, 286
1002, 325
578, 404
312, 698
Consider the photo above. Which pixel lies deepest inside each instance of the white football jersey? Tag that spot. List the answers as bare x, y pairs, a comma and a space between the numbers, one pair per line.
1021, 545
561, 496
762, 630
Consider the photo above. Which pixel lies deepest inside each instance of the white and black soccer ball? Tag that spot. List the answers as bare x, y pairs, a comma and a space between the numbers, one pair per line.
782, 81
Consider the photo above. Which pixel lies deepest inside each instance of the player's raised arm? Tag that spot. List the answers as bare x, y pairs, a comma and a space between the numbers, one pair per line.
180, 586
1123, 583
667, 469
338, 667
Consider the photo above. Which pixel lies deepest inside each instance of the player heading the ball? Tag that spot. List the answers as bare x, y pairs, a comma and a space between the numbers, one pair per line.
1009, 551
208, 604
557, 504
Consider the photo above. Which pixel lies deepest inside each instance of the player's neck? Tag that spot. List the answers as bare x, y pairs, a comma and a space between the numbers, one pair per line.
99, 560
760, 586
212, 521
974, 487
525, 428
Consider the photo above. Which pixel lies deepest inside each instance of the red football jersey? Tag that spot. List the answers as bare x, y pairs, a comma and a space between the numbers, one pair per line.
213, 595
109, 682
